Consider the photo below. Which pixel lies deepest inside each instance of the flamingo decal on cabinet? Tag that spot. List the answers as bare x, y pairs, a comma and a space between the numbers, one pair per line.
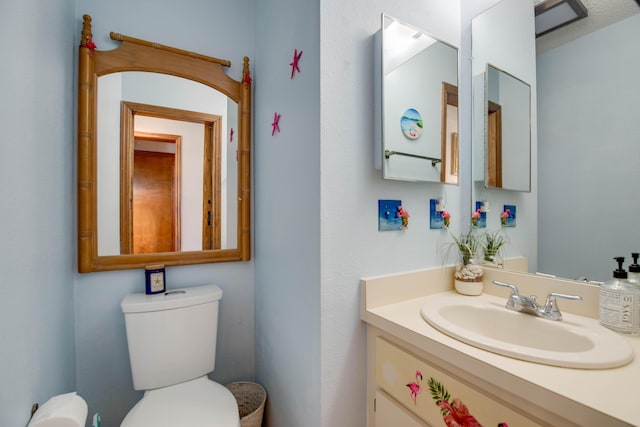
415, 387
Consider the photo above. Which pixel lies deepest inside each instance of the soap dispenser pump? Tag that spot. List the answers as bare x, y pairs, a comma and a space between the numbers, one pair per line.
620, 303
619, 273
634, 270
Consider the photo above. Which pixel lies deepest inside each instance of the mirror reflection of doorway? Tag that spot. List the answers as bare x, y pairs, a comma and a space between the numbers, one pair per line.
494, 145
170, 183
449, 133
156, 193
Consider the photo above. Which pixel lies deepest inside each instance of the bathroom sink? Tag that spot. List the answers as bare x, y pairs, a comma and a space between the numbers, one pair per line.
484, 322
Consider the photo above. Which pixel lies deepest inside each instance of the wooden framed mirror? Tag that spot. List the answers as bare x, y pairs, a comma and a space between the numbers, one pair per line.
146, 109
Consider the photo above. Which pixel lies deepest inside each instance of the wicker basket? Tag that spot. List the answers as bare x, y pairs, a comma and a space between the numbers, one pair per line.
251, 398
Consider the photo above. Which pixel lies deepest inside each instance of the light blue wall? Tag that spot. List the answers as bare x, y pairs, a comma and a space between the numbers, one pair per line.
36, 175
287, 176
589, 146
213, 27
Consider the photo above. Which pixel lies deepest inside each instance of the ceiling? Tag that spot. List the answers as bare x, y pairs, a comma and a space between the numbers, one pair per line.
601, 14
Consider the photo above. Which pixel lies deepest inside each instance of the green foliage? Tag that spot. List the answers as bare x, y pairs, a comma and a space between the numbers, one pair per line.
438, 391
492, 243
467, 245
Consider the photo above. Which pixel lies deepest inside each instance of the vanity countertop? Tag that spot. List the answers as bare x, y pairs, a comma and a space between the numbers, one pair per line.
587, 395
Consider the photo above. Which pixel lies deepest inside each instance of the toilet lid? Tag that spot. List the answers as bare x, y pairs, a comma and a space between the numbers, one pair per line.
196, 403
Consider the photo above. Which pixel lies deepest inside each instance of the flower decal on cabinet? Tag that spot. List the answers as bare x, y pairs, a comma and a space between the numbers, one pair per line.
454, 412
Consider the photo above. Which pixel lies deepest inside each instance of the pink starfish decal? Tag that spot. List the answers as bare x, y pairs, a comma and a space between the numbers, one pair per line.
275, 126
247, 78
91, 45
294, 64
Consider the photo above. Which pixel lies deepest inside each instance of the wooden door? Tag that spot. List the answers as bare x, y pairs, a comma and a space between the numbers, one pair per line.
494, 146
153, 202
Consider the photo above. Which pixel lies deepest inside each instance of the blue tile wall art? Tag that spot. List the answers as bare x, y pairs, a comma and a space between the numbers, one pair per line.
479, 218
389, 215
436, 220
508, 216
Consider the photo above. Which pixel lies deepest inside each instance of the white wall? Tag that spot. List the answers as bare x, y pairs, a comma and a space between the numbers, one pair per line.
36, 175
102, 361
351, 246
589, 150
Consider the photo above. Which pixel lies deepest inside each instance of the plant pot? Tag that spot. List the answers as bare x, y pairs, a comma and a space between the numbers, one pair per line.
468, 288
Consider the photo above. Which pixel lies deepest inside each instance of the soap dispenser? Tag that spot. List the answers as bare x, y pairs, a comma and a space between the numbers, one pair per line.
619, 305
634, 271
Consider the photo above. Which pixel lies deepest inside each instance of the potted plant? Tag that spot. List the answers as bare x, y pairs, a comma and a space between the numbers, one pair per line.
468, 274
492, 244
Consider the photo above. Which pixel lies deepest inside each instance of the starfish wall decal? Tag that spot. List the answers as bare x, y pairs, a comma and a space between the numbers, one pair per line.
275, 126
294, 64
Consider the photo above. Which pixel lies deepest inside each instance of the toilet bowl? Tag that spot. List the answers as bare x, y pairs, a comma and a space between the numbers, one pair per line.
199, 402
172, 344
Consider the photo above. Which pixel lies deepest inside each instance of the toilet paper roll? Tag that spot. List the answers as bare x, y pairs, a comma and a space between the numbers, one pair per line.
64, 410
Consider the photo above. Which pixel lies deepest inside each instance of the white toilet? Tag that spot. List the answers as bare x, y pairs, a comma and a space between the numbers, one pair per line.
172, 347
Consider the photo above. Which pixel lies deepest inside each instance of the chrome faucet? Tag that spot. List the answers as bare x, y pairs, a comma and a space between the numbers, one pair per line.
529, 305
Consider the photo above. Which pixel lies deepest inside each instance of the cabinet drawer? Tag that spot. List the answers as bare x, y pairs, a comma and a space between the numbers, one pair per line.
433, 395
390, 414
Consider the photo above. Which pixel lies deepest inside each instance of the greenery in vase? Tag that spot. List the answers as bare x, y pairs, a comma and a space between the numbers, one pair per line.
467, 245
492, 244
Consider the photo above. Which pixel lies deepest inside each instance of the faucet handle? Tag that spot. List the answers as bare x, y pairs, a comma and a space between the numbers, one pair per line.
514, 288
514, 300
551, 305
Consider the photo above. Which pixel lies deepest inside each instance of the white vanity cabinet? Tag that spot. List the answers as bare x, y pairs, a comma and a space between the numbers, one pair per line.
493, 388
406, 389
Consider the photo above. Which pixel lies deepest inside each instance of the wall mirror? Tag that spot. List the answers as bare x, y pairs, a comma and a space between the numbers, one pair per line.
502, 40
419, 105
163, 157
507, 131
573, 82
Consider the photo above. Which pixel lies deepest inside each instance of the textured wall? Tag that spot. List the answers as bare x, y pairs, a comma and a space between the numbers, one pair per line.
351, 246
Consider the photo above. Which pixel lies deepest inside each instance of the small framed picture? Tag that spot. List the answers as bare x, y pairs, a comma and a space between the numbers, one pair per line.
154, 279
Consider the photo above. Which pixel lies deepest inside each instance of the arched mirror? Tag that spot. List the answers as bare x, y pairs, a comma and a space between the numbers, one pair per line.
163, 157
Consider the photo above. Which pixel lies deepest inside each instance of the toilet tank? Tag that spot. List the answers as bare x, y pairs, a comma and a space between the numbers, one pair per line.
171, 336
